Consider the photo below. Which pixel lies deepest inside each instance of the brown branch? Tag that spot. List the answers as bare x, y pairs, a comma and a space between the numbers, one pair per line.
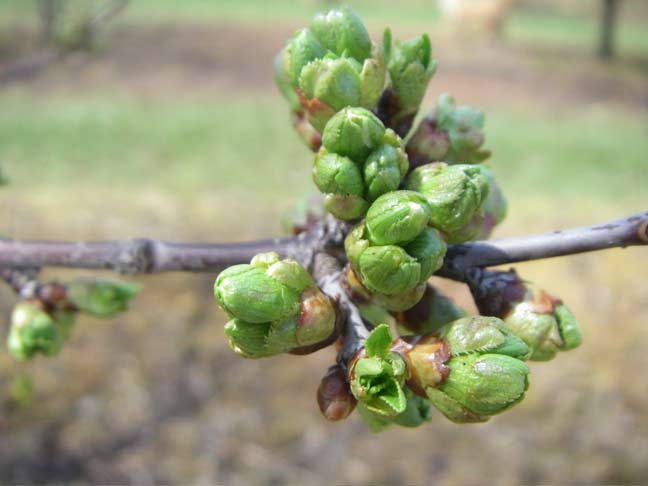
621, 233
153, 256
353, 328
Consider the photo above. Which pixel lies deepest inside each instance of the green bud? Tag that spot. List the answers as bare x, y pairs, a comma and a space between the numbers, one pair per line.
248, 293
317, 318
281, 337
480, 334
353, 132
101, 298
432, 312
284, 83
464, 126
336, 174
372, 78
264, 260
410, 69
454, 193
332, 81
389, 270
290, 274
494, 207
32, 331
247, 339
376, 377
429, 249
397, 217
544, 323
374, 306
276, 307
302, 49
342, 32
355, 244
470, 370
428, 144
478, 386
384, 169
399, 302
353, 139
345, 207
330, 66
470, 230
341, 182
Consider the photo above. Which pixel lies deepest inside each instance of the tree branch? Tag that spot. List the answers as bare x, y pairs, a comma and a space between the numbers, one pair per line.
354, 330
153, 256
621, 233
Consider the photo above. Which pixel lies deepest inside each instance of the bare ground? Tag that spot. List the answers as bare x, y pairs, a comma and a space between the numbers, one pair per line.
199, 60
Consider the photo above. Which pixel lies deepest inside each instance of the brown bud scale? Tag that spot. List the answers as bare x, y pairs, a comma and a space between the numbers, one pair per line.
334, 397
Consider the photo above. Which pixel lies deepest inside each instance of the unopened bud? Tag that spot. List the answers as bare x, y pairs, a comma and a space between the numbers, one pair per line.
455, 193
101, 298
334, 396
32, 331
276, 307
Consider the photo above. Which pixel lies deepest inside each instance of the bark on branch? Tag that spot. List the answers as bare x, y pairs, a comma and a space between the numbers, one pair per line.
153, 256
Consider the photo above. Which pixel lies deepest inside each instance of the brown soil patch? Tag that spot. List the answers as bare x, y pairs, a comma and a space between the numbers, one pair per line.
203, 60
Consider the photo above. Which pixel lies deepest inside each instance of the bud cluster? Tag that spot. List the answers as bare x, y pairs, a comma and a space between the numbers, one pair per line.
394, 250
452, 134
359, 161
352, 102
275, 306
42, 323
456, 195
330, 65
544, 322
471, 369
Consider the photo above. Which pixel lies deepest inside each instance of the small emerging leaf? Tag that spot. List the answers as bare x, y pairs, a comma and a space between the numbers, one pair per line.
379, 341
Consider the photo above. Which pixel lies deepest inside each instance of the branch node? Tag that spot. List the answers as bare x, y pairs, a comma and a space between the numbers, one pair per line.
642, 231
135, 256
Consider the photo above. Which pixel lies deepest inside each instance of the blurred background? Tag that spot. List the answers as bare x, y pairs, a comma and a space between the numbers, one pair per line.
160, 118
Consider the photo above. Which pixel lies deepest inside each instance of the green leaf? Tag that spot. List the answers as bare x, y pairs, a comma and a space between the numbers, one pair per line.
377, 423
416, 412
394, 397
372, 366
379, 341
101, 298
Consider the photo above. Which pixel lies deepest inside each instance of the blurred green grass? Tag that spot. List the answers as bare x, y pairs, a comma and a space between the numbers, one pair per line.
244, 145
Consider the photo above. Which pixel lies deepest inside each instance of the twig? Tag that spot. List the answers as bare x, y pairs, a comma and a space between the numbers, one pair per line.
328, 272
621, 233
23, 282
153, 256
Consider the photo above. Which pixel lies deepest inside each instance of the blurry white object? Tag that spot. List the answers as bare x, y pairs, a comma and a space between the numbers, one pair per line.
484, 15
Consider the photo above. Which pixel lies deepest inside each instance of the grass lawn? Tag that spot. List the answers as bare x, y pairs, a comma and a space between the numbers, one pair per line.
245, 146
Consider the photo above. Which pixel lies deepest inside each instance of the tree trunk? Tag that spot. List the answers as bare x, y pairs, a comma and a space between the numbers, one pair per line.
48, 11
608, 27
